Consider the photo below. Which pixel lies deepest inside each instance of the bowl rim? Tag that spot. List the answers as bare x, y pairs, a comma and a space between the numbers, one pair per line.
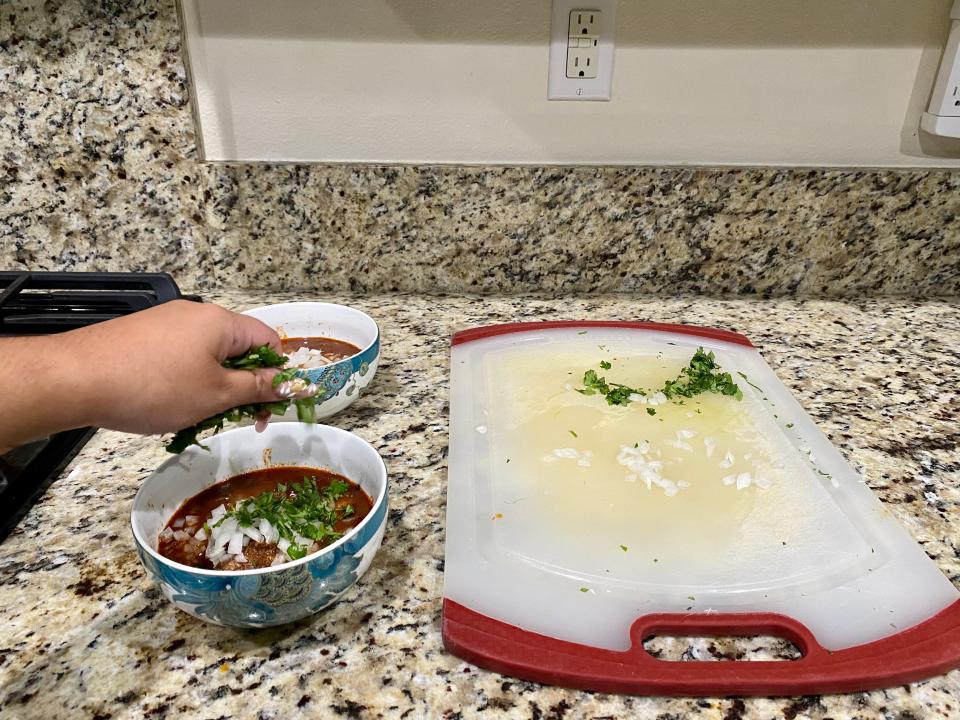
302, 303
378, 501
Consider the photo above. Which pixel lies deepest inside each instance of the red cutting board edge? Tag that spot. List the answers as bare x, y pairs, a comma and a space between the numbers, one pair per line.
927, 649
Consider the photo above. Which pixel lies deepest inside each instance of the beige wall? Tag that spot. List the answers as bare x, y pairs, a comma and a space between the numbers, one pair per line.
756, 82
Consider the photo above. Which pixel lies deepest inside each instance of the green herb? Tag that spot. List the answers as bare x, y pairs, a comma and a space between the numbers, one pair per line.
702, 375
255, 358
308, 512
584, 589
789, 425
748, 381
572, 433
623, 547
690, 597
614, 393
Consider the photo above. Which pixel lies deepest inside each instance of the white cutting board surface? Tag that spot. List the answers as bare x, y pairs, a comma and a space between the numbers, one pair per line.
552, 527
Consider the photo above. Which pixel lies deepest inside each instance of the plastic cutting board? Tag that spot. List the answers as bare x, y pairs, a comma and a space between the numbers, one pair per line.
575, 530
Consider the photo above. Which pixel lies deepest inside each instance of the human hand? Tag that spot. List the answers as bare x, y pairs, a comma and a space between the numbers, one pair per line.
160, 370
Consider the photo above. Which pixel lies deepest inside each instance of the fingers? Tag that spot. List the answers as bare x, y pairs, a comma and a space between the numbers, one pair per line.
249, 332
261, 420
243, 387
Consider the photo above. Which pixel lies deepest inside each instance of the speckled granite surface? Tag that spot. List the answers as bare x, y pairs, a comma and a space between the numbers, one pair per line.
84, 634
98, 171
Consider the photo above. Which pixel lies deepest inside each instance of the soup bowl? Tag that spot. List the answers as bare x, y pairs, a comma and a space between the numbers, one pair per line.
340, 382
271, 595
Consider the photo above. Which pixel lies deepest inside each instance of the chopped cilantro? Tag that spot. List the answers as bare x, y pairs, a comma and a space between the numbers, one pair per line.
583, 589
256, 357
789, 425
702, 374
690, 597
748, 381
623, 547
309, 512
573, 433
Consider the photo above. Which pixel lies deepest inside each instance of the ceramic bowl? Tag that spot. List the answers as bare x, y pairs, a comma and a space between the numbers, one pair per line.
271, 595
340, 382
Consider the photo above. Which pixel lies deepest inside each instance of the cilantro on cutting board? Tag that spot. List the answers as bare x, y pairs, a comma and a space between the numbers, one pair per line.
701, 375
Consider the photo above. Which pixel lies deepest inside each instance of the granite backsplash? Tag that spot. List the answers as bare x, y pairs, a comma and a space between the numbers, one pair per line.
99, 171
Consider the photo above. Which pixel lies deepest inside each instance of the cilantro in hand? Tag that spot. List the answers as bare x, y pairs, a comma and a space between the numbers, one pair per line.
255, 358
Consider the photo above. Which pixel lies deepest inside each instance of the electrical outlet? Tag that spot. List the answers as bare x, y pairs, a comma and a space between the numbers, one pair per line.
943, 113
581, 50
583, 44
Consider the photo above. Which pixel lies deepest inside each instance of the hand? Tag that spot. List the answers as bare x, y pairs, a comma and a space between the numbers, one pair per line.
155, 371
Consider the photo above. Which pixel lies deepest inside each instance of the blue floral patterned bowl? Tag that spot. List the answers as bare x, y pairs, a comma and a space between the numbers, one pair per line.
271, 595
340, 382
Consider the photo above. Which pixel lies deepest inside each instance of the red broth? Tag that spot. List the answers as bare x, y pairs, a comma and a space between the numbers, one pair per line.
243, 487
331, 348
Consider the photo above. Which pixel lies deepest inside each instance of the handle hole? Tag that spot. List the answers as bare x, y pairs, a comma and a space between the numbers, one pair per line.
697, 648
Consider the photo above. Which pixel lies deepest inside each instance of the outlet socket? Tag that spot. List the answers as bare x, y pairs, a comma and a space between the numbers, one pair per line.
581, 50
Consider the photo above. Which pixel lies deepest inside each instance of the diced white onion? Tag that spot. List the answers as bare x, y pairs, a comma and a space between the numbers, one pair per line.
252, 533
306, 358
235, 544
710, 444
192, 519
178, 523
201, 534
218, 512
283, 544
166, 534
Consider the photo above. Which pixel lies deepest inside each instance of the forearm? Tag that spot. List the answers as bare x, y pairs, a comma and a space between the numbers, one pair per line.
43, 388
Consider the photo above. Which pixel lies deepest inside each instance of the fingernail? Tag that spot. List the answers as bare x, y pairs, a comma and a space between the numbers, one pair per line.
285, 390
309, 391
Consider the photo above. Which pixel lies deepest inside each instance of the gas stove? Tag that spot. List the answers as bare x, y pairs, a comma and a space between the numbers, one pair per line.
43, 303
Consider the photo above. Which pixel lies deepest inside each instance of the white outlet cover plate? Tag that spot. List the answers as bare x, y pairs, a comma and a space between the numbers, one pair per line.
559, 86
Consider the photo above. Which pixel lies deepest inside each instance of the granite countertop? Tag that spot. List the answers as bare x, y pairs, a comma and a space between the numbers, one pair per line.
86, 634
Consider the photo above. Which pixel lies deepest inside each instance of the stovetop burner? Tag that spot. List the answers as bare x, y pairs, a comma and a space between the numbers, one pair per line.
41, 303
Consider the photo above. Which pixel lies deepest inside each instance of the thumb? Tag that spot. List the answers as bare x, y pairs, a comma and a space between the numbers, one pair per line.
250, 386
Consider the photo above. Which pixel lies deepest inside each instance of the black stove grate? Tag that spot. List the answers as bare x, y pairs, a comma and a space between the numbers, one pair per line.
43, 303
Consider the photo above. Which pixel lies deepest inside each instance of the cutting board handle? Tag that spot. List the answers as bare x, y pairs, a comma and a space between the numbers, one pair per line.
917, 653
